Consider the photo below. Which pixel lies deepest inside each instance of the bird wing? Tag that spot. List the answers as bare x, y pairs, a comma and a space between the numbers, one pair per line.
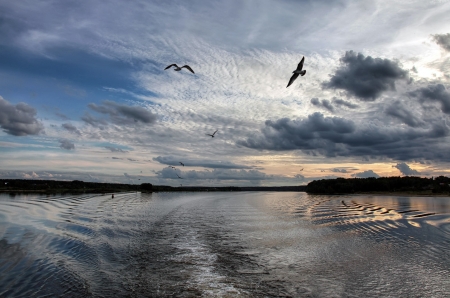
294, 76
214, 132
300, 65
170, 66
303, 72
188, 67
208, 134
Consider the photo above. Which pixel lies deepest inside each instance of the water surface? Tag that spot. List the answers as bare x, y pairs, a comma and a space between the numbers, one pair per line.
229, 244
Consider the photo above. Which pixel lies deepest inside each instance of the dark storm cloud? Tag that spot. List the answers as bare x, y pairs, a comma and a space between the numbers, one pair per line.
436, 93
305, 134
365, 77
398, 111
19, 120
115, 149
443, 40
334, 136
215, 164
341, 102
324, 103
405, 169
366, 174
66, 144
71, 128
123, 114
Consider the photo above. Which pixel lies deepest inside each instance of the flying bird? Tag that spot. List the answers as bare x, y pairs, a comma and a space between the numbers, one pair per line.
181, 163
297, 72
172, 167
178, 176
211, 135
177, 68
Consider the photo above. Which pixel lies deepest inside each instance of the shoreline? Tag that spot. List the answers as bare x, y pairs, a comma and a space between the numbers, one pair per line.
108, 191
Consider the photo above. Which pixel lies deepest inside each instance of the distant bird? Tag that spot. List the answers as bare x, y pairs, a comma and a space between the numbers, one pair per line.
181, 163
177, 68
297, 72
178, 176
172, 167
301, 170
211, 135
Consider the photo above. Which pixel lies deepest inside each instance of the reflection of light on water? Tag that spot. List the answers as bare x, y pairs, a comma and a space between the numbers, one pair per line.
442, 222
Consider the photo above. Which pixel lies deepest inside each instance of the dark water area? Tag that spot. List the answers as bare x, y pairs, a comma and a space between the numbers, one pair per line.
230, 244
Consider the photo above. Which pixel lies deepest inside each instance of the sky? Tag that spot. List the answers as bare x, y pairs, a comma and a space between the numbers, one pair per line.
84, 94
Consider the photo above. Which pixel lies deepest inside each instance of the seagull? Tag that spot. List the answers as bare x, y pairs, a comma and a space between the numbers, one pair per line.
211, 135
177, 68
181, 163
178, 176
297, 72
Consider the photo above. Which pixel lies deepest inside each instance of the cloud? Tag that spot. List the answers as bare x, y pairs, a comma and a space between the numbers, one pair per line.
443, 40
335, 136
115, 149
339, 170
405, 169
434, 93
66, 144
71, 128
116, 157
62, 116
300, 178
19, 120
287, 134
63, 176
216, 174
366, 174
123, 114
89, 119
341, 102
325, 103
398, 111
365, 77
190, 162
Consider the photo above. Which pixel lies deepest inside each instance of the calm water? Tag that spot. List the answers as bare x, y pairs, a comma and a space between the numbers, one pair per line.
241, 244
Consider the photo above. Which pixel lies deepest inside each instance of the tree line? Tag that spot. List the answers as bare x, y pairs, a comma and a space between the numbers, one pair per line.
439, 184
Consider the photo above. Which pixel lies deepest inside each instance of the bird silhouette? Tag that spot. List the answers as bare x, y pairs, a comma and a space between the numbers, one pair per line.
178, 176
172, 167
177, 68
297, 72
181, 163
212, 134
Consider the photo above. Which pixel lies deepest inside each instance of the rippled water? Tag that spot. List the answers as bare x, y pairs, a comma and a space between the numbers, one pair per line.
231, 244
